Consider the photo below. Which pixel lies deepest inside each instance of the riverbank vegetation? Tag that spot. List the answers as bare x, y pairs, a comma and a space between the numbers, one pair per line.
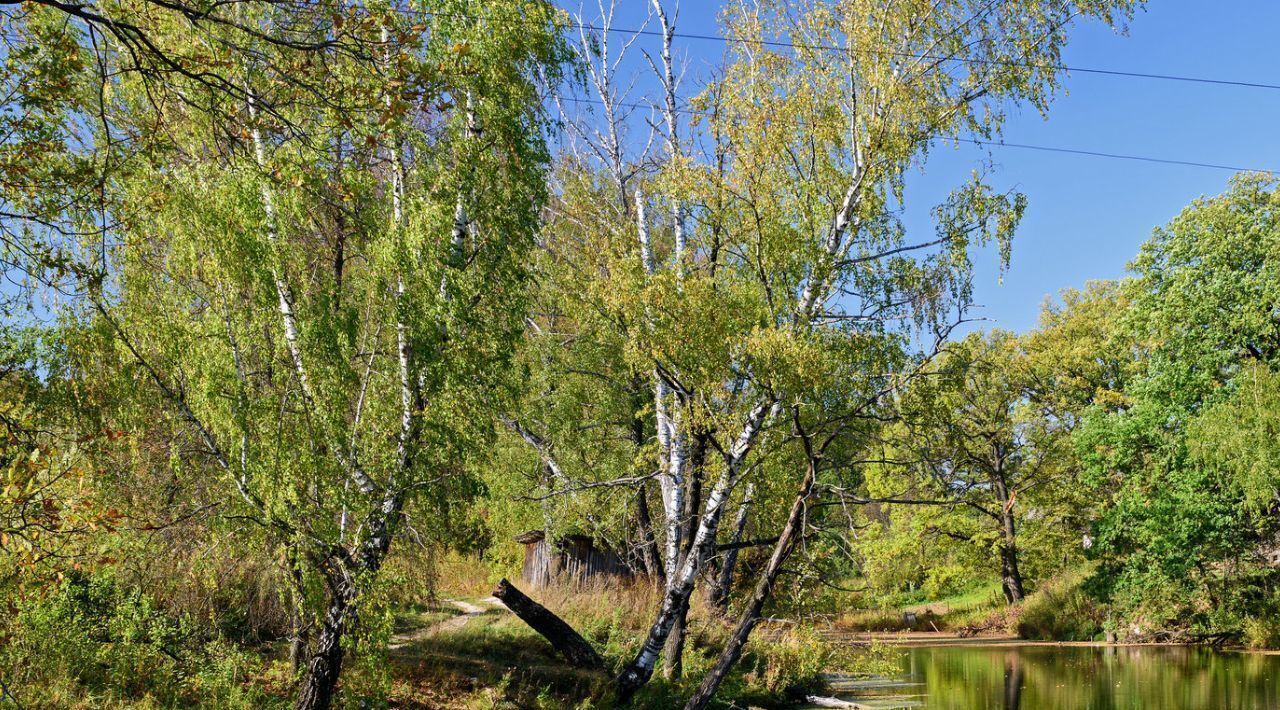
313, 310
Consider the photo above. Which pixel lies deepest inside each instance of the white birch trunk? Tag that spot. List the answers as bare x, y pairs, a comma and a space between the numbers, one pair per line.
678, 450
670, 458
640, 669
285, 304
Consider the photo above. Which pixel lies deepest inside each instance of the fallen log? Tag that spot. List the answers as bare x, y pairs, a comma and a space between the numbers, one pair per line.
824, 702
561, 636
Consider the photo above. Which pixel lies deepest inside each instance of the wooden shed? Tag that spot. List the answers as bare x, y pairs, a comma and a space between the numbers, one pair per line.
573, 559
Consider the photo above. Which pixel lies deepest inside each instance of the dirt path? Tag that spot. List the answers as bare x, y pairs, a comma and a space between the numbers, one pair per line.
454, 623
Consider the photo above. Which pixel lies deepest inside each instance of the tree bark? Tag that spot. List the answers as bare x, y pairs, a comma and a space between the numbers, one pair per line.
648, 543
639, 670
325, 665
1010, 575
722, 583
299, 634
561, 636
732, 650
673, 652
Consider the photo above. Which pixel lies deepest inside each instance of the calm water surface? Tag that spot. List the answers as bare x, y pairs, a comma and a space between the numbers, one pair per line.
1075, 677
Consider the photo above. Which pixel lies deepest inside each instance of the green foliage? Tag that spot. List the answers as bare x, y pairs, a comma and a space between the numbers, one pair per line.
1186, 459
1262, 631
328, 294
1238, 435
976, 475
1062, 609
93, 637
797, 660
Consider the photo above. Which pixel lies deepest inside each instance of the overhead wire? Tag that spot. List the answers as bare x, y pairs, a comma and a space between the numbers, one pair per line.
777, 43
981, 142
1000, 143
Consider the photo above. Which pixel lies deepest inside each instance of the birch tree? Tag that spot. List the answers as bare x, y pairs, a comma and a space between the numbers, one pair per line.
770, 230
324, 278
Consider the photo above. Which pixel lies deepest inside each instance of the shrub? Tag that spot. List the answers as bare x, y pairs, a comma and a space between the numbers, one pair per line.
103, 637
1061, 610
800, 658
1260, 629
90, 637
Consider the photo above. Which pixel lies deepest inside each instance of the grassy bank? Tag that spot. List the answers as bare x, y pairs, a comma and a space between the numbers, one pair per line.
93, 642
971, 609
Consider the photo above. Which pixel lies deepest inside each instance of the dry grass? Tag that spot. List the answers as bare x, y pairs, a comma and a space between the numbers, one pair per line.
464, 577
495, 661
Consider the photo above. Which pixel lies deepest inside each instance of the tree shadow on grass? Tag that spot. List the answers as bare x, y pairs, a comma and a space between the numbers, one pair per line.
493, 651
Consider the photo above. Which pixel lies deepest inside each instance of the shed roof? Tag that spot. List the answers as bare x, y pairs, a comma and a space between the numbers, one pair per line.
532, 536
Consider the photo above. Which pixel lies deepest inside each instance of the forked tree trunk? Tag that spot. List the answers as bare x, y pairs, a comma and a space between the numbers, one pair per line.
638, 672
732, 650
640, 669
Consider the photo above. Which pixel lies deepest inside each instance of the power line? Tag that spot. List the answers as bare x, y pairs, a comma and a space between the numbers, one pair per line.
975, 141
1114, 156
938, 58
995, 143
731, 39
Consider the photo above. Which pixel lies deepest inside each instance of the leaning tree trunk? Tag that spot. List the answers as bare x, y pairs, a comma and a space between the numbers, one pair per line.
732, 650
561, 636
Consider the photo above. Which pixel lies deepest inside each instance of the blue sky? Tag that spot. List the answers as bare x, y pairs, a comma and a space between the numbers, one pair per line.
1088, 216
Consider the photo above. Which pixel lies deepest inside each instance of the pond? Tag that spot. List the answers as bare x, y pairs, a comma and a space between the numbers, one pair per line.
1052, 677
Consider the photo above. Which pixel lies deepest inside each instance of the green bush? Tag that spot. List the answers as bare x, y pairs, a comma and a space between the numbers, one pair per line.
1260, 628
104, 638
1261, 632
90, 640
1062, 610
800, 658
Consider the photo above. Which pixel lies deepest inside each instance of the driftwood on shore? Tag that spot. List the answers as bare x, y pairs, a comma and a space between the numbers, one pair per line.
824, 702
561, 636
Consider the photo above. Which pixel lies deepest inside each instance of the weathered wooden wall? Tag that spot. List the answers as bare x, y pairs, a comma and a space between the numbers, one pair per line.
574, 559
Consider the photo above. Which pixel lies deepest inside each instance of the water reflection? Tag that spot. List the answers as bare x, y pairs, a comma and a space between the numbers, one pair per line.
1012, 680
1084, 678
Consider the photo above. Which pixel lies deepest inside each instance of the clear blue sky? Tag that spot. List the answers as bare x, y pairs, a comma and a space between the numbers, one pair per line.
1088, 216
